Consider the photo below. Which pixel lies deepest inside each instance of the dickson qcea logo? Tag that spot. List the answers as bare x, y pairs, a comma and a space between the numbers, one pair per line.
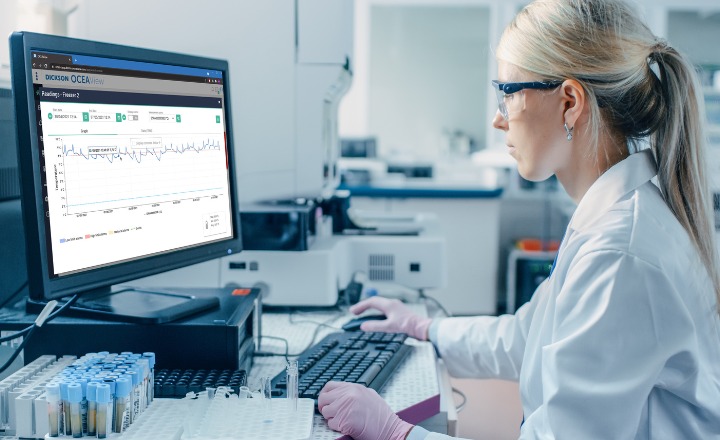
77, 79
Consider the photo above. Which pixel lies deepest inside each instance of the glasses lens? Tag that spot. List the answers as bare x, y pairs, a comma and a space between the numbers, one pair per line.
501, 102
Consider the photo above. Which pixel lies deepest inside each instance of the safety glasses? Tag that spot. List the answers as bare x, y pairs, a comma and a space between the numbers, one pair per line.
504, 91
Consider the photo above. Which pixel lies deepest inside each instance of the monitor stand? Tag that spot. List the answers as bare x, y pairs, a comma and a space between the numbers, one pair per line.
134, 305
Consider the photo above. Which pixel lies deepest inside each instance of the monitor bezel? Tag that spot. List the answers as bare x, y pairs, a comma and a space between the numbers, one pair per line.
42, 285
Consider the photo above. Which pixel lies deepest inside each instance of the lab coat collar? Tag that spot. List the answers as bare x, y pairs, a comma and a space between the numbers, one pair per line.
622, 178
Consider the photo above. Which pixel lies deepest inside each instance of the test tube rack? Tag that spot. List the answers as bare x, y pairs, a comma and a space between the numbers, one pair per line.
201, 418
23, 409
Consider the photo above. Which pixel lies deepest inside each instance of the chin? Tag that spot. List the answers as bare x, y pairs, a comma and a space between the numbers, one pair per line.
532, 175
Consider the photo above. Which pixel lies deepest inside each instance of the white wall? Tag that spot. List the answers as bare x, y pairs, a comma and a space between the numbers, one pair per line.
696, 34
427, 75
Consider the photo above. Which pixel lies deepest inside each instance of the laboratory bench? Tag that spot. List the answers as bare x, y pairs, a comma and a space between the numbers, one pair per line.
419, 389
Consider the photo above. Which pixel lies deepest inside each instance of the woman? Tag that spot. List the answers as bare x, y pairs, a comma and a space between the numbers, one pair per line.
622, 340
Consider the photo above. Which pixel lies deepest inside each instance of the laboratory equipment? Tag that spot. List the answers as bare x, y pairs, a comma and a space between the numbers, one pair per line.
52, 395
526, 270
88, 225
224, 338
178, 382
92, 408
291, 372
123, 401
367, 358
75, 397
9, 179
104, 411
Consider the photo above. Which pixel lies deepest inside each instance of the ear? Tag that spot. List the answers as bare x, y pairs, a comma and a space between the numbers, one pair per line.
572, 96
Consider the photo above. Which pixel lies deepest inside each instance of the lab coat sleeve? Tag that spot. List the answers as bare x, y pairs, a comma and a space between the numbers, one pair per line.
617, 321
487, 346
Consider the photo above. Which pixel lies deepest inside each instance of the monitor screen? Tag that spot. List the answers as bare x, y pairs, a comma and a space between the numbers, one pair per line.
126, 162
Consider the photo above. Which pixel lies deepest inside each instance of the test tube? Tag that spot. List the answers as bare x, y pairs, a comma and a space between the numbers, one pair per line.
292, 384
52, 396
75, 397
104, 410
111, 383
65, 407
123, 389
265, 393
92, 407
136, 372
150, 356
83, 403
145, 364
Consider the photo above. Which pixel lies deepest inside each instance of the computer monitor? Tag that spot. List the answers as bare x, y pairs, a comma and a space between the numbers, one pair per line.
126, 170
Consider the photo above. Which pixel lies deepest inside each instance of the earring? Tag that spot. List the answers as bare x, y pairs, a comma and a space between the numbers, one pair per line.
568, 131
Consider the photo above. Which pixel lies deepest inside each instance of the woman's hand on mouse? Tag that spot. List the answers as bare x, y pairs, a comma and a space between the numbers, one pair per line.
399, 318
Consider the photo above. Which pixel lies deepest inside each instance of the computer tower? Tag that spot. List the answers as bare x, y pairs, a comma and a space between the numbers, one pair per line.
224, 338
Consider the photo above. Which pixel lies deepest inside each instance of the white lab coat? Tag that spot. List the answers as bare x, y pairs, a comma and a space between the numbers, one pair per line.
622, 341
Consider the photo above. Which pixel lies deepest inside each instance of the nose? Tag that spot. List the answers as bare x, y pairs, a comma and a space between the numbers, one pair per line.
499, 121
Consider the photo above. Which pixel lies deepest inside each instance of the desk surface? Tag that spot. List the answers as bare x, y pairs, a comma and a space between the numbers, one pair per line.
413, 382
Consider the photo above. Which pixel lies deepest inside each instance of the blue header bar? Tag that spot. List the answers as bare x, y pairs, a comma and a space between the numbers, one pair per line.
112, 63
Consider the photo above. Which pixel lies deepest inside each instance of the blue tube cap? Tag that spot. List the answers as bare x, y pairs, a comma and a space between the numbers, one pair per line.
103, 393
122, 387
74, 393
111, 384
64, 390
151, 356
83, 384
92, 391
137, 375
52, 389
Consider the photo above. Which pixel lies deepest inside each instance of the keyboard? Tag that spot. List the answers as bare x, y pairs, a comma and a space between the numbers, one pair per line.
366, 358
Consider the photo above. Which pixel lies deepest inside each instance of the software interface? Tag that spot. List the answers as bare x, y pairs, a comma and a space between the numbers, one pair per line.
134, 157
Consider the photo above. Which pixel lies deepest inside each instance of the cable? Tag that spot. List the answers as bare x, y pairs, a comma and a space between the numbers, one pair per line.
52, 316
434, 301
317, 329
28, 332
460, 407
15, 293
266, 354
18, 349
309, 321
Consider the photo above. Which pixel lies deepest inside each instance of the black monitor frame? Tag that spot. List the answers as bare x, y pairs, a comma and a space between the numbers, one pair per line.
97, 282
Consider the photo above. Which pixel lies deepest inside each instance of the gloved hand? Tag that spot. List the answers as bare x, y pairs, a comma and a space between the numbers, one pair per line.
399, 318
360, 412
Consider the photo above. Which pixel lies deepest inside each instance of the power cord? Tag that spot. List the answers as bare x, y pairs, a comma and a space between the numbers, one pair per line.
317, 329
43, 317
17, 291
287, 353
270, 354
52, 316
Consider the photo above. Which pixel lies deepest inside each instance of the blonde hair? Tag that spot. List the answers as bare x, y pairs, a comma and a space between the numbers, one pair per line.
637, 87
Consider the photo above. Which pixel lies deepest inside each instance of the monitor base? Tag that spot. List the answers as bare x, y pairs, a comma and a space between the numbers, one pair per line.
134, 305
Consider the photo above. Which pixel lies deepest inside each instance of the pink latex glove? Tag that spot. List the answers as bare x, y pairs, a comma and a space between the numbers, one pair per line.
399, 318
360, 413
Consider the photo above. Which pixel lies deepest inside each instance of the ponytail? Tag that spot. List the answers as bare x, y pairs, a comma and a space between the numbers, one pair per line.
678, 143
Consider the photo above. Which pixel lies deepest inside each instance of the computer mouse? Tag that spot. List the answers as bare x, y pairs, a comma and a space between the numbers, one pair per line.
354, 324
